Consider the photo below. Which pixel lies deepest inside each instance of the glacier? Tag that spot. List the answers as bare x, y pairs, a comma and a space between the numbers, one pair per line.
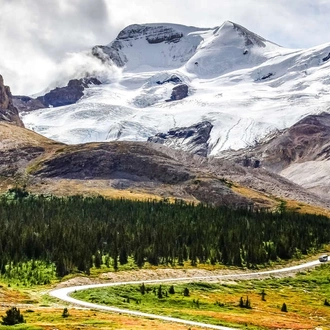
246, 86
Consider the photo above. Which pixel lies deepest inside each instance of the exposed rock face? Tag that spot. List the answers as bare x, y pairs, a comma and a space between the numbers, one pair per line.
132, 164
110, 53
251, 38
69, 94
307, 140
305, 145
13, 161
193, 138
173, 79
8, 112
153, 34
26, 103
57, 97
115, 160
179, 92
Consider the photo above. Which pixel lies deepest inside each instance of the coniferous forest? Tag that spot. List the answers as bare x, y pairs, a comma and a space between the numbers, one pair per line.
75, 232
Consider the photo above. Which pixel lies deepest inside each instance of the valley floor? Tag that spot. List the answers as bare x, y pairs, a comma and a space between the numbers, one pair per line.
44, 312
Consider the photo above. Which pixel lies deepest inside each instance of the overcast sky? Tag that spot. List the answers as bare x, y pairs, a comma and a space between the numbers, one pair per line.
40, 39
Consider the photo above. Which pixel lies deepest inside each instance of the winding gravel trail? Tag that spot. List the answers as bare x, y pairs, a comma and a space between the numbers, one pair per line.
64, 293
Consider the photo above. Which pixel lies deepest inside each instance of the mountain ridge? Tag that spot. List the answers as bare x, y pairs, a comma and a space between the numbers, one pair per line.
244, 96
139, 170
245, 86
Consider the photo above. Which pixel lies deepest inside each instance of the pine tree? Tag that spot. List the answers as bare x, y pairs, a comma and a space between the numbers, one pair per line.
159, 292
241, 302
186, 292
13, 316
284, 308
142, 288
171, 290
98, 260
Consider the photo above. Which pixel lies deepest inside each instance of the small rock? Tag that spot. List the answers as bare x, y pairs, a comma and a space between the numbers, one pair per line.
179, 92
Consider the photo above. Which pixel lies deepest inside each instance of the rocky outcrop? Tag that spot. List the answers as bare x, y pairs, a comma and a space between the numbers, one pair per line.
193, 138
57, 97
115, 160
173, 79
8, 112
307, 140
301, 153
111, 53
69, 94
251, 38
25, 103
14, 160
179, 92
153, 34
128, 165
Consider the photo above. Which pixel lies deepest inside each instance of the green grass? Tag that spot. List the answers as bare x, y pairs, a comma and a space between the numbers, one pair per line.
217, 303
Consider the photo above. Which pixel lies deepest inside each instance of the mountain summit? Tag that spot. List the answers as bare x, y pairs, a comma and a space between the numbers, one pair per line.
203, 51
172, 78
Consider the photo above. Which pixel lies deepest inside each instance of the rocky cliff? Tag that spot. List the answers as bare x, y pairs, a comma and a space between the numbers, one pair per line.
193, 138
8, 112
60, 96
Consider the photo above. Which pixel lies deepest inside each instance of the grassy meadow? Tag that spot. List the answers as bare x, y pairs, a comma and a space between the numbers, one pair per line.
219, 303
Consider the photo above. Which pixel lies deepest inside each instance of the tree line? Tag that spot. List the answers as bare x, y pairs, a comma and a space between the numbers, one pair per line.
77, 233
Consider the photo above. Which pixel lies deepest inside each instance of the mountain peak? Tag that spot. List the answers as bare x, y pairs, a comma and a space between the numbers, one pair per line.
231, 30
170, 46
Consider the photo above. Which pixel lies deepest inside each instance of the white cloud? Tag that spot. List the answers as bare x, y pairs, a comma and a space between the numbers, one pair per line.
36, 36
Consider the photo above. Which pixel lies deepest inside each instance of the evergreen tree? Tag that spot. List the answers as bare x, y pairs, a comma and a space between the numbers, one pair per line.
159, 292
13, 316
171, 290
284, 308
186, 292
142, 288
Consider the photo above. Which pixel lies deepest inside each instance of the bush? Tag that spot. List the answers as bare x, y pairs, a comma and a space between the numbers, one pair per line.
65, 312
245, 304
13, 316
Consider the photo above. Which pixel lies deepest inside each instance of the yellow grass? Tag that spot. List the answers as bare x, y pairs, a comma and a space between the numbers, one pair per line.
272, 202
262, 200
306, 208
12, 137
63, 187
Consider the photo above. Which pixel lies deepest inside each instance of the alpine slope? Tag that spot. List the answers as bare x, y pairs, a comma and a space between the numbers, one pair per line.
245, 86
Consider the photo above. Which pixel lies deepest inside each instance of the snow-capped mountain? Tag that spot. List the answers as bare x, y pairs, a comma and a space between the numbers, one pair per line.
246, 87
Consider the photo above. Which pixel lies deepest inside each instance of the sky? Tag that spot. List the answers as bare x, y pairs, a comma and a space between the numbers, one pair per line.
45, 42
